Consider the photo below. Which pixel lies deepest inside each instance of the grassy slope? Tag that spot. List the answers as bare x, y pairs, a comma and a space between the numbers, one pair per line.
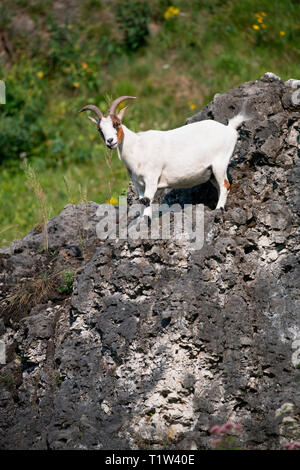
209, 47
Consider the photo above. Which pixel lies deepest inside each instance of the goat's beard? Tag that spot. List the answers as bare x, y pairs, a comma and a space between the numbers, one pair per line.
112, 147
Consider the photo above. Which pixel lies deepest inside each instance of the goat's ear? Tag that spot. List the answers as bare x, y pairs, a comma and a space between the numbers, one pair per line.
95, 121
120, 114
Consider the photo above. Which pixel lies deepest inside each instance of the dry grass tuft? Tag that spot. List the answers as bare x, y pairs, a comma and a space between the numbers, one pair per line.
37, 290
44, 213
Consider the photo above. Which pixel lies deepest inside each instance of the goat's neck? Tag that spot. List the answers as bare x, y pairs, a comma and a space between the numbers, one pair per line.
126, 148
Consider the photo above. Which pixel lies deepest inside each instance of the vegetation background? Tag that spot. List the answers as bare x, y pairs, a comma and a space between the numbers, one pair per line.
174, 55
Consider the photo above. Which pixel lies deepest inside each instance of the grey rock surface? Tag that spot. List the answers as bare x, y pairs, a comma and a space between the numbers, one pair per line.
154, 343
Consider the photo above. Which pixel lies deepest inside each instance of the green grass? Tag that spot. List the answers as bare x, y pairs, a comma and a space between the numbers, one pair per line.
20, 207
208, 47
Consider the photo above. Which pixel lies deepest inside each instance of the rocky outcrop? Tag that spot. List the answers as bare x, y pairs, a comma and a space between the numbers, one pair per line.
137, 344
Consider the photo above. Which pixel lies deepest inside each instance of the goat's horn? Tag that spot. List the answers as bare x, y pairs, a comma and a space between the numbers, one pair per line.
119, 100
91, 107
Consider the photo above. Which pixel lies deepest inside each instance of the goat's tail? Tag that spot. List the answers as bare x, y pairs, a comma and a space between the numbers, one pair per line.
237, 120
243, 116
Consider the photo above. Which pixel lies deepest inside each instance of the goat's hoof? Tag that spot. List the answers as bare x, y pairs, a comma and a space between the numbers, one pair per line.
219, 215
145, 201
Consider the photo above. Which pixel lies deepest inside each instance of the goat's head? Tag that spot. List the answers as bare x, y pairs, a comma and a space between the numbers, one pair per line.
110, 126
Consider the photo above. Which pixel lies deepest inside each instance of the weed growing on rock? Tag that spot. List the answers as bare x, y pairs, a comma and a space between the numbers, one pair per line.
67, 279
8, 380
34, 291
40, 195
227, 439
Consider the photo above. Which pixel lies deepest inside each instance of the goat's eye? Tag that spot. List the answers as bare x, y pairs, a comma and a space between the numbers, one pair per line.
116, 125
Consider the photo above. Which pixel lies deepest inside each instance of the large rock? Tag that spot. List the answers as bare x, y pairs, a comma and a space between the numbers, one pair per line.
158, 342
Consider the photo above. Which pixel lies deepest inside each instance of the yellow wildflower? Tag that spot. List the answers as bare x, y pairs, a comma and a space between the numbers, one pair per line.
76, 85
282, 33
255, 26
89, 70
112, 201
263, 25
40, 74
260, 19
192, 106
84, 65
260, 14
70, 26
171, 11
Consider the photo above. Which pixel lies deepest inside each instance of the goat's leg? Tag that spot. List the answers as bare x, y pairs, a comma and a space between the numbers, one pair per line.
150, 191
220, 174
139, 188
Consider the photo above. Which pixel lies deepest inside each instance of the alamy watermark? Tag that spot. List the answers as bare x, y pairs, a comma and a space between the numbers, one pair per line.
295, 98
296, 353
2, 352
168, 222
2, 92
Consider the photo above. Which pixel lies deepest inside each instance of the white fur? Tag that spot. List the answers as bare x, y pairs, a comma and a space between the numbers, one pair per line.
179, 158
109, 132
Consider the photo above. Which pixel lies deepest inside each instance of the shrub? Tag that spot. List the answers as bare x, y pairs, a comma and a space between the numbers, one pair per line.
67, 280
14, 139
133, 18
20, 124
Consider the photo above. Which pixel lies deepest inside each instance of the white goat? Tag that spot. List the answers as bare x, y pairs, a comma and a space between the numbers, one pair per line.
179, 158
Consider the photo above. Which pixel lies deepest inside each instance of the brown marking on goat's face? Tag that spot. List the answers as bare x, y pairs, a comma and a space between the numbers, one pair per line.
226, 184
120, 134
118, 126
